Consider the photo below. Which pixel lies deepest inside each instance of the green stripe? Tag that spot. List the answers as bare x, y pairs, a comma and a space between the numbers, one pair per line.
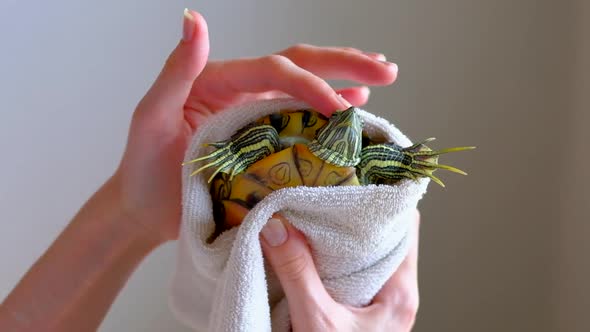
242, 150
339, 142
386, 163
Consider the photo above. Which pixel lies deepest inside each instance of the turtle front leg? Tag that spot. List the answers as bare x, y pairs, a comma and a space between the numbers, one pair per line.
388, 163
242, 150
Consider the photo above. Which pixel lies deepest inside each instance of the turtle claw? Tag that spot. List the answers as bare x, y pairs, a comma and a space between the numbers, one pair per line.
415, 173
437, 180
243, 149
426, 159
450, 169
443, 151
221, 161
441, 166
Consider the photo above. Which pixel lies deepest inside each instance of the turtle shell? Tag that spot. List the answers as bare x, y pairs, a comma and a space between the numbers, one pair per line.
293, 165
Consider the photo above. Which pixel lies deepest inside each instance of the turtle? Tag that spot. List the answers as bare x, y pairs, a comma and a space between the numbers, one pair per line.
302, 147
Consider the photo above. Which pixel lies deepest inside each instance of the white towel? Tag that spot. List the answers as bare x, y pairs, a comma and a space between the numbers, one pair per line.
358, 235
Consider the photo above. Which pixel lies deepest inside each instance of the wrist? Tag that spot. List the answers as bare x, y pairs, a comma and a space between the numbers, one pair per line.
109, 204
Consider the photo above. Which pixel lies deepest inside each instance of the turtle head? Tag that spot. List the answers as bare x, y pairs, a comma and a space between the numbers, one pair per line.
388, 163
339, 142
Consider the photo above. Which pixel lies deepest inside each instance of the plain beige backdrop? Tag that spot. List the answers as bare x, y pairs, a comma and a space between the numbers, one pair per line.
503, 249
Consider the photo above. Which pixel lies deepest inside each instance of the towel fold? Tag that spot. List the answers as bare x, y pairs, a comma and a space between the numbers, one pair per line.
358, 235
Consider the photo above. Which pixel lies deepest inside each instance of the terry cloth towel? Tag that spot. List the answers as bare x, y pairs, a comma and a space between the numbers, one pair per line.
358, 236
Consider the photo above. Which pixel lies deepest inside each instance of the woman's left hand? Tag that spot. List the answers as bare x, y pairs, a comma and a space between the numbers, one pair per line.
190, 88
311, 308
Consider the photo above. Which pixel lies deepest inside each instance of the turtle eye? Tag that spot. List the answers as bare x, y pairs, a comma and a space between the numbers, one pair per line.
279, 121
308, 120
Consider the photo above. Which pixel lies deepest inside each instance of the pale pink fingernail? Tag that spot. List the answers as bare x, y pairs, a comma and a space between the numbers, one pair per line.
391, 65
274, 232
377, 56
188, 28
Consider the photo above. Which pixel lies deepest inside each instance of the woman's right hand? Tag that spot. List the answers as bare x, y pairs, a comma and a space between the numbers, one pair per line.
191, 87
312, 309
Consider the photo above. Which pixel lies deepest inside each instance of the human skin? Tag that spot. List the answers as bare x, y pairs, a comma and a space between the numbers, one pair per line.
73, 284
312, 309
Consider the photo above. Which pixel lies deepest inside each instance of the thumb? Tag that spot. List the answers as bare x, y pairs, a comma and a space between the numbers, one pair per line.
290, 257
172, 87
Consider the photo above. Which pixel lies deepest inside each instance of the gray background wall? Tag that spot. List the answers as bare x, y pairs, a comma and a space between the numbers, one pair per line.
502, 249
573, 288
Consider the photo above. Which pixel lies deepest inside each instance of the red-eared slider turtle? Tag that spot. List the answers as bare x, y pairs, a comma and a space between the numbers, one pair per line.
304, 148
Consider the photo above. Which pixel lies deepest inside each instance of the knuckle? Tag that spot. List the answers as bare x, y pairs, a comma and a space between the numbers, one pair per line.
327, 322
408, 319
276, 61
410, 300
171, 61
383, 315
401, 313
293, 268
297, 50
407, 310
334, 318
301, 47
351, 50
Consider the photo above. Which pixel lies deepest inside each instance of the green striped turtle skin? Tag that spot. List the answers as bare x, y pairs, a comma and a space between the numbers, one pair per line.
294, 148
389, 163
242, 150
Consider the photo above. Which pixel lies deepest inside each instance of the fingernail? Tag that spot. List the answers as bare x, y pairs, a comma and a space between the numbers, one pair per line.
343, 101
366, 90
377, 56
188, 29
274, 232
391, 65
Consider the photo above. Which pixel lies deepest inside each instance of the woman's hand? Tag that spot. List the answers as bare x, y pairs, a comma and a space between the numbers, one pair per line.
311, 307
190, 88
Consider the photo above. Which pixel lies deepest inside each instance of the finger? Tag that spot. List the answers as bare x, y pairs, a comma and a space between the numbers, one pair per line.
399, 296
342, 64
376, 56
275, 72
373, 55
357, 96
290, 257
171, 89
